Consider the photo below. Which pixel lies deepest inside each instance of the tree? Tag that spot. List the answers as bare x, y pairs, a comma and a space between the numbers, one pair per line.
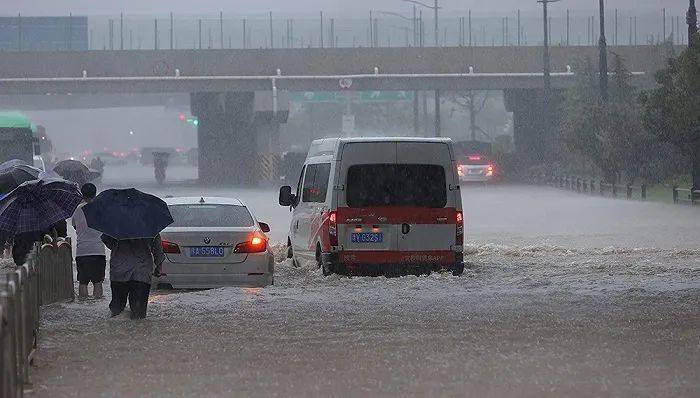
672, 110
609, 134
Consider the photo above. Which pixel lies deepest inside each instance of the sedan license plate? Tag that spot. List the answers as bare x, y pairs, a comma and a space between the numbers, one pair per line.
367, 237
206, 251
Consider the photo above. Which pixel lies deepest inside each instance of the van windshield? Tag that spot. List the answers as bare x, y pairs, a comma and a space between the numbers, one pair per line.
404, 185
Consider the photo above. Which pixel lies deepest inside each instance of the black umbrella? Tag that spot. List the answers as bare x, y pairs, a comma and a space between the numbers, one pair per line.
13, 176
127, 214
75, 171
35, 206
12, 163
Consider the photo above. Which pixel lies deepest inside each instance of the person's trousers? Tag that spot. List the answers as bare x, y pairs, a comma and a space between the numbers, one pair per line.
134, 291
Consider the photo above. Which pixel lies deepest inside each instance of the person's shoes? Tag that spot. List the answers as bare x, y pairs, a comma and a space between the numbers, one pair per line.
97, 292
137, 316
114, 312
82, 292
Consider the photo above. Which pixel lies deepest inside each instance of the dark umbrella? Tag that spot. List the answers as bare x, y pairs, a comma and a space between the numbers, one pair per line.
75, 171
12, 163
14, 176
35, 206
127, 214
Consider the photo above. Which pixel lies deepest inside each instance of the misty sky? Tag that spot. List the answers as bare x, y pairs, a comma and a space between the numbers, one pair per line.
335, 7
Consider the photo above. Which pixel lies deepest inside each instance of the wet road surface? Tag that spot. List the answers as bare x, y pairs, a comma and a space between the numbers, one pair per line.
565, 295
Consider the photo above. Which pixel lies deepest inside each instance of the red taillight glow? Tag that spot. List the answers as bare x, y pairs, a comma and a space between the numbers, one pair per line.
460, 228
256, 244
333, 228
460, 169
170, 247
489, 170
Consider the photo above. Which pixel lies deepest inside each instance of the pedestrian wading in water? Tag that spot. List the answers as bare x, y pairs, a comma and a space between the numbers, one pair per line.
89, 250
131, 265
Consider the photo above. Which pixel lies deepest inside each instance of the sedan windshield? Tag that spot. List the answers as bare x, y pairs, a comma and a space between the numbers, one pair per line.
210, 216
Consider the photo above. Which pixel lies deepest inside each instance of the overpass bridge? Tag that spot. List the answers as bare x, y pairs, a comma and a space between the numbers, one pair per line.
238, 95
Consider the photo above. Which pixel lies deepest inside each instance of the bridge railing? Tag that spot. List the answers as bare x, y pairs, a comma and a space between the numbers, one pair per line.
590, 186
686, 196
45, 278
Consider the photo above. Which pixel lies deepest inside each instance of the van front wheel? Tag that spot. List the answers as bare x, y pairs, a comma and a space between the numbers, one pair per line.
458, 269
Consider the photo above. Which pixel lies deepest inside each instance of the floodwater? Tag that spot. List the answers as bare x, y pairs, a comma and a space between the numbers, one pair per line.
565, 295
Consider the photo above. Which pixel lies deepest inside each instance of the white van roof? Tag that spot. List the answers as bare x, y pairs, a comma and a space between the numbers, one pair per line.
328, 147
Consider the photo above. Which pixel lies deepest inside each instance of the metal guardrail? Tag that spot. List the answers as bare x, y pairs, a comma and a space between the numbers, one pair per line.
692, 198
45, 278
591, 186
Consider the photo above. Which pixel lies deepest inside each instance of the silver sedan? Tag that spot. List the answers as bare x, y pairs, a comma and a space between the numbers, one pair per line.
215, 242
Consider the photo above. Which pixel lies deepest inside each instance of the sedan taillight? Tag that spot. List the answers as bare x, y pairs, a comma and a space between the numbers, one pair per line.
256, 244
170, 247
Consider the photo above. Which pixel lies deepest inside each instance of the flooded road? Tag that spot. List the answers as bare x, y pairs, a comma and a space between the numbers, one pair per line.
565, 295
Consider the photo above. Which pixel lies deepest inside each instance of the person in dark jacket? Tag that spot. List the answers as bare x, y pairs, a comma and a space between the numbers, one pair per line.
132, 263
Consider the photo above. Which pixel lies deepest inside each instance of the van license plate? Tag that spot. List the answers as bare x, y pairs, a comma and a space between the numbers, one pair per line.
206, 251
367, 237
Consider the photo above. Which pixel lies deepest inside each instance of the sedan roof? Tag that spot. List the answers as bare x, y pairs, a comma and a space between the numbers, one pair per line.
196, 200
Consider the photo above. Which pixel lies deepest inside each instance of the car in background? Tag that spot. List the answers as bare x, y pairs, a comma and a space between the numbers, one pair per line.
215, 242
377, 205
475, 168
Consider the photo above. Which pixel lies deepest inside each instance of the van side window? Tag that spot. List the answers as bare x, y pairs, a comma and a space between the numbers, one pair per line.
316, 182
301, 178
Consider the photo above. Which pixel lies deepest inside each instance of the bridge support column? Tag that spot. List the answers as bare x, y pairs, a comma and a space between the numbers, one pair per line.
235, 129
533, 134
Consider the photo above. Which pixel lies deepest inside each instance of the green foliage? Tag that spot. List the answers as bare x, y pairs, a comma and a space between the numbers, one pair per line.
672, 110
608, 134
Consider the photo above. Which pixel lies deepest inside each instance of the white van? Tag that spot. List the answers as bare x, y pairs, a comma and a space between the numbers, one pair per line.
378, 206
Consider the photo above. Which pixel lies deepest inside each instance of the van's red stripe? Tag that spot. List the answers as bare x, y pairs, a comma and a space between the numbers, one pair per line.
398, 215
358, 257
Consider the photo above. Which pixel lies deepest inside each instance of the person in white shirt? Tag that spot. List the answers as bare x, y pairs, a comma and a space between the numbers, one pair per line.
90, 251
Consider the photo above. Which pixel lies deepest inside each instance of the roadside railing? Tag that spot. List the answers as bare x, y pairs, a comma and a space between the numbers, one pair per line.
686, 196
590, 186
45, 278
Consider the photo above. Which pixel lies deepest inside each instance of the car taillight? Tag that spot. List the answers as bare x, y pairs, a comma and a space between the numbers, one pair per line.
256, 244
170, 247
460, 169
489, 170
333, 228
460, 228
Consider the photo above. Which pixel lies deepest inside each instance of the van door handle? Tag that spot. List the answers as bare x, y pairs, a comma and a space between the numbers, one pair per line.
382, 219
405, 229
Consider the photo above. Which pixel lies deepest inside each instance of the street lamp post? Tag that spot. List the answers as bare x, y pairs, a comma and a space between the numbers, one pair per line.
435, 8
546, 69
603, 56
692, 19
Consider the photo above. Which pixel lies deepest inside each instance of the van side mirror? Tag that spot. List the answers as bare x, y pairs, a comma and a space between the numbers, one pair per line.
264, 227
287, 198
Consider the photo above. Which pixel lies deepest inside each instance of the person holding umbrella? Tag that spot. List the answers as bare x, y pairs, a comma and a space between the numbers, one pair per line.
130, 222
35, 208
89, 250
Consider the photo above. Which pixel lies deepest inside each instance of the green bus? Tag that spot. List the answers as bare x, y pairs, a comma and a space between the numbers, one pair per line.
17, 138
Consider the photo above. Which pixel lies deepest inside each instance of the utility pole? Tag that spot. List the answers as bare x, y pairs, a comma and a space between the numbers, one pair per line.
121, 31
172, 31
692, 19
437, 35
321, 42
244, 34
603, 61
545, 57
272, 32
519, 28
221, 29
